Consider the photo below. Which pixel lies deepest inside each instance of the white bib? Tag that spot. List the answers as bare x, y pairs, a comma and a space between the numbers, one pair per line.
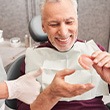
52, 61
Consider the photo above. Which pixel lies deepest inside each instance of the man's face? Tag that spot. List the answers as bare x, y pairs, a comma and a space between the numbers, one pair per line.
61, 25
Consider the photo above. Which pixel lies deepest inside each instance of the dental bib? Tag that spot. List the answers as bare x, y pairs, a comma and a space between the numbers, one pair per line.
52, 61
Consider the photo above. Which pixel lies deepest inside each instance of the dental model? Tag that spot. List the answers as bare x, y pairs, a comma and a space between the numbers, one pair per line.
85, 61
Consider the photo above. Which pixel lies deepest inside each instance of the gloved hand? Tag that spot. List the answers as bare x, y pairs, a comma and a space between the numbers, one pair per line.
25, 88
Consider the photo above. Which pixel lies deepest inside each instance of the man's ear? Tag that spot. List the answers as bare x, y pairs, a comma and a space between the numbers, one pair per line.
43, 28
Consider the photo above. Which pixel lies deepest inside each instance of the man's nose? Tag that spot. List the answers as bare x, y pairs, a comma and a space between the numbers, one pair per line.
63, 30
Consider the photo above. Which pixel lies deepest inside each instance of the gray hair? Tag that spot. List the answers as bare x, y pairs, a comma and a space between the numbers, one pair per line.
74, 2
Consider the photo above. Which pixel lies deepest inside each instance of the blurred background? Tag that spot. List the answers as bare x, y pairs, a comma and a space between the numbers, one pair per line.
94, 19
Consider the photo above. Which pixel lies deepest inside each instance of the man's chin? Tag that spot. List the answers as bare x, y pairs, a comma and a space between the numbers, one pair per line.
64, 49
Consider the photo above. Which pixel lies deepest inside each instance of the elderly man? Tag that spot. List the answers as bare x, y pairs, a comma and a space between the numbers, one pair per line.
64, 84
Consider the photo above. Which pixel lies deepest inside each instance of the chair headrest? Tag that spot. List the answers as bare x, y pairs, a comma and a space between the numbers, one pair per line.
35, 29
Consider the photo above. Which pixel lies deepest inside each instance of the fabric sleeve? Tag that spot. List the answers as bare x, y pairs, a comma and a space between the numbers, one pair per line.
22, 68
101, 47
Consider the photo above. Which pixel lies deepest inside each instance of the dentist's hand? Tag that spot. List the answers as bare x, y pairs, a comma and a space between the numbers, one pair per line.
25, 88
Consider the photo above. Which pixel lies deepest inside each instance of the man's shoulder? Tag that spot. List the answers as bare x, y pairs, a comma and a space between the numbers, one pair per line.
99, 45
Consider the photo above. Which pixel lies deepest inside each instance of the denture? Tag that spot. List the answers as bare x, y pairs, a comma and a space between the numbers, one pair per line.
85, 61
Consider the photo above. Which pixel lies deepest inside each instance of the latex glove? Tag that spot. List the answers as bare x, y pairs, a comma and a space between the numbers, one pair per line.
25, 88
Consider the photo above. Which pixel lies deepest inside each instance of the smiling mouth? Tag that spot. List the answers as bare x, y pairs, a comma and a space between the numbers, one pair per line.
64, 40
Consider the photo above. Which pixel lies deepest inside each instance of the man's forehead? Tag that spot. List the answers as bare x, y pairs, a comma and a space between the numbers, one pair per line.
64, 19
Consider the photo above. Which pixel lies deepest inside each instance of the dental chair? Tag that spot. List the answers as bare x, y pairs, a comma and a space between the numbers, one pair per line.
37, 35
36, 31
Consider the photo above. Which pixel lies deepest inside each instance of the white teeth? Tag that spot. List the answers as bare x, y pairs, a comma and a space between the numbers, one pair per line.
64, 40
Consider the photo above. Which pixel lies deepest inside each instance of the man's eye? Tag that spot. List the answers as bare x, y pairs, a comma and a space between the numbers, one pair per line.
53, 25
69, 22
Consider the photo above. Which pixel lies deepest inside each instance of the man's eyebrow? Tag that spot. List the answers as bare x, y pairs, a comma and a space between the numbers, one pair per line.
56, 21
52, 22
71, 18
